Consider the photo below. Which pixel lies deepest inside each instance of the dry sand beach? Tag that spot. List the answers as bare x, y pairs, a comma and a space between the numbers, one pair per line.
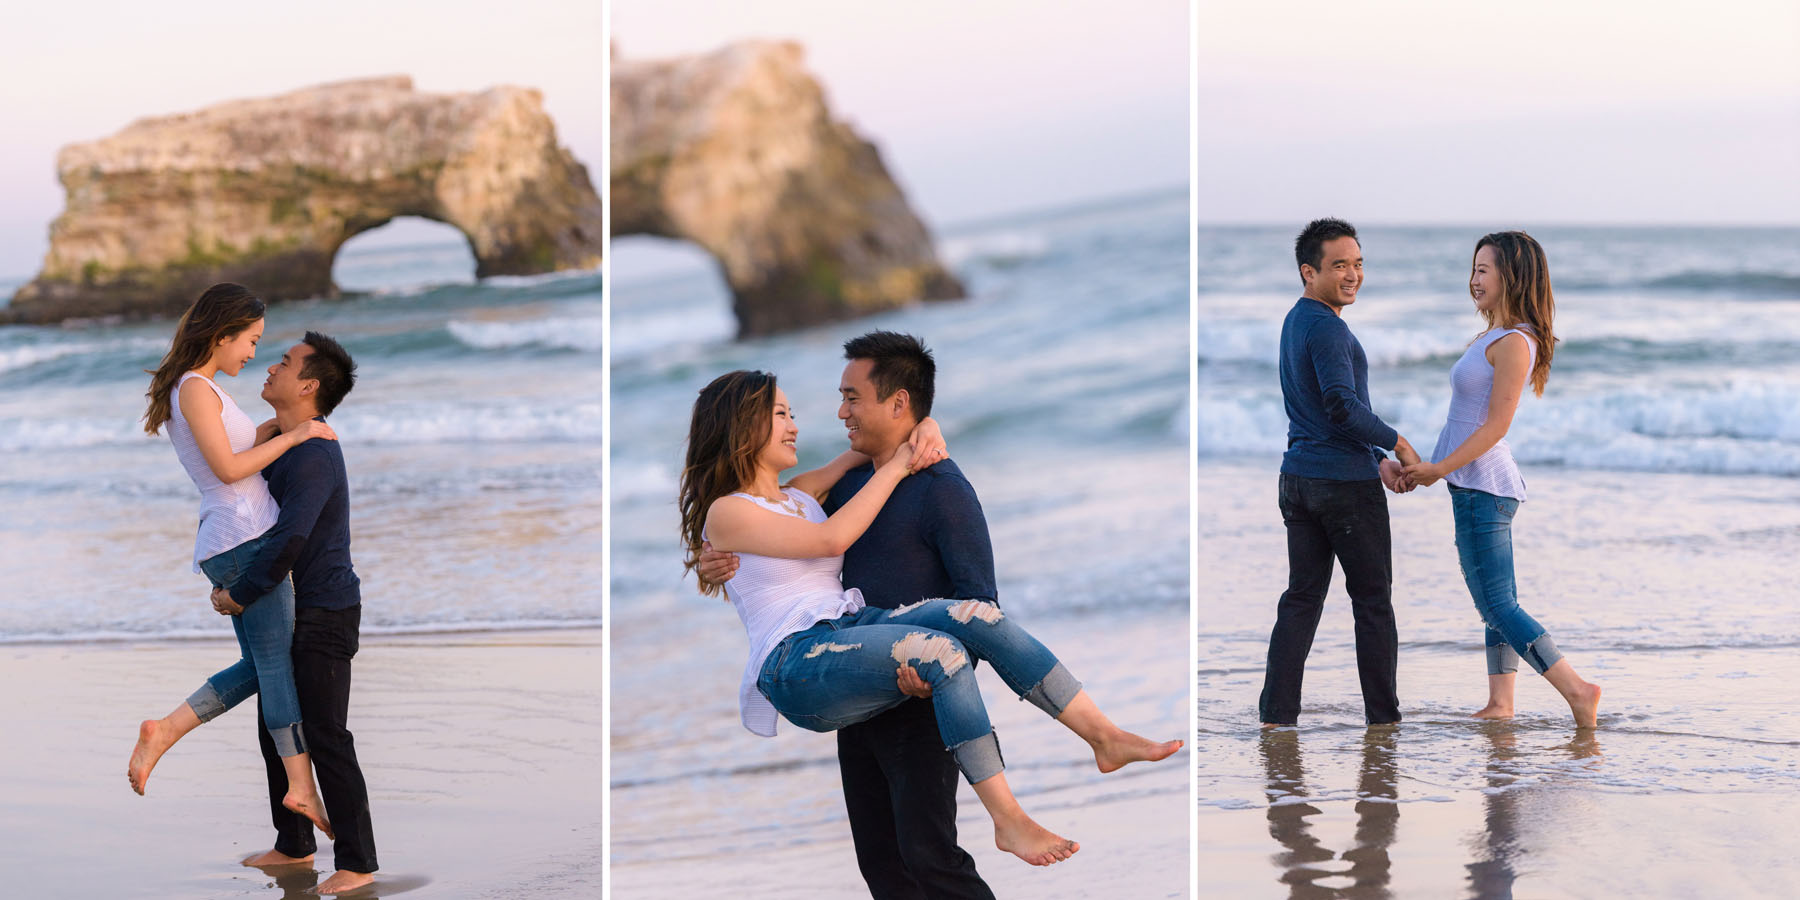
1673, 591
481, 750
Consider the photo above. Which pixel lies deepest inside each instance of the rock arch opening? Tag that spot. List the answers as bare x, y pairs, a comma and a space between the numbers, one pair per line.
406, 252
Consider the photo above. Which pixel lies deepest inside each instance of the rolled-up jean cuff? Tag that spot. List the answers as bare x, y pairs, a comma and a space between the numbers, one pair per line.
205, 702
1542, 653
289, 740
1501, 660
1053, 693
979, 758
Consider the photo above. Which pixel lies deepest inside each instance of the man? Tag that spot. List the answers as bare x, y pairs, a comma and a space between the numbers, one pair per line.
929, 540
1331, 480
311, 539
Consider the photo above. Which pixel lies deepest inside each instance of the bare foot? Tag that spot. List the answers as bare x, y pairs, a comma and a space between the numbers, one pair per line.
1586, 705
153, 740
276, 858
1124, 747
1492, 711
1032, 842
343, 880
310, 806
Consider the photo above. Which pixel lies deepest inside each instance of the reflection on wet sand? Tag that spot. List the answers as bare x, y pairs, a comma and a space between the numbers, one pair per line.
297, 881
1492, 878
1307, 864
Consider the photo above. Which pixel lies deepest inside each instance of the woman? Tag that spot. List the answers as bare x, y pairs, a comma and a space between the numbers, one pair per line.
217, 445
1510, 283
823, 659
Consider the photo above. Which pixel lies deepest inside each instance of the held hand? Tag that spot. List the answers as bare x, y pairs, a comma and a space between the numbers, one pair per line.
268, 430
1393, 477
223, 604
911, 684
312, 428
1423, 474
928, 443
715, 567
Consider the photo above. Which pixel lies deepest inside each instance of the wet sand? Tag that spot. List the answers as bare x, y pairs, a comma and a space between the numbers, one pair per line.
481, 750
702, 807
1672, 591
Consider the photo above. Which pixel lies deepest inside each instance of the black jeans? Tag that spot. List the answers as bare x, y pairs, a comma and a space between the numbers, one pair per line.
325, 641
1347, 520
900, 791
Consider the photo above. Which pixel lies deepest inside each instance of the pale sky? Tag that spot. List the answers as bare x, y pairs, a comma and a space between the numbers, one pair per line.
980, 107
1529, 111
77, 71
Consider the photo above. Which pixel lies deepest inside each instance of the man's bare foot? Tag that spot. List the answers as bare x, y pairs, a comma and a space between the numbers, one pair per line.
153, 740
343, 880
1032, 842
1123, 747
310, 806
1586, 705
276, 858
1492, 711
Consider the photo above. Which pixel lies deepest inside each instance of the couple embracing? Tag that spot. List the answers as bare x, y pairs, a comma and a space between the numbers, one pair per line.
863, 585
1336, 465
274, 541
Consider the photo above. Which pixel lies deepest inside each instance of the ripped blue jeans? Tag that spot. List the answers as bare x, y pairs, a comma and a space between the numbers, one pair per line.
265, 634
842, 671
1484, 547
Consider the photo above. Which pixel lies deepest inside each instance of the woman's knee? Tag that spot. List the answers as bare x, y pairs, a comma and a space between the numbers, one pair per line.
922, 648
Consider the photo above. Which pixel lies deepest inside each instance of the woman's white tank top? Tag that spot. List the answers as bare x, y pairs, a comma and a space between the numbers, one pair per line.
230, 514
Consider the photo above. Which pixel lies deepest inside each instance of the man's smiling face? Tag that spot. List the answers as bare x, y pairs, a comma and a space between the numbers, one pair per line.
871, 423
284, 386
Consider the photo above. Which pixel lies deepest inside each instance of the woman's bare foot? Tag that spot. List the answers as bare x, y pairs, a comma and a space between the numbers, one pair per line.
1122, 747
1032, 842
1585, 704
1492, 711
154, 739
343, 880
310, 806
276, 858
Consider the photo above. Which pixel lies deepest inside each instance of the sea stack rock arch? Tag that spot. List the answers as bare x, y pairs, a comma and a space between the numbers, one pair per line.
736, 151
264, 192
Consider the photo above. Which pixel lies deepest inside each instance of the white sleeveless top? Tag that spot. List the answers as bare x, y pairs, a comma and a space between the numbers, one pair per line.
777, 597
230, 514
1471, 385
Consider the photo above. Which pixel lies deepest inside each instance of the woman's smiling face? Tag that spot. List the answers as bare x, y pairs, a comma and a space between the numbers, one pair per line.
780, 452
235, 352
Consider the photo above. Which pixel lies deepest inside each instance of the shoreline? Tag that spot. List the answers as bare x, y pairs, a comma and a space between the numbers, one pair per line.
480, 751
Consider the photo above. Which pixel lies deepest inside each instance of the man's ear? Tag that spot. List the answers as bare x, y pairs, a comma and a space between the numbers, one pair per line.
309, 386
899, 404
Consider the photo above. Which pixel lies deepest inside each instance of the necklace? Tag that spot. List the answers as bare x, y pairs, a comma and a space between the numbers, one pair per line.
786, 504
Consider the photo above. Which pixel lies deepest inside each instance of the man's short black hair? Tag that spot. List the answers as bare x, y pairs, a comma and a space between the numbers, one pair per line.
901, 362
331, 364
1309, 247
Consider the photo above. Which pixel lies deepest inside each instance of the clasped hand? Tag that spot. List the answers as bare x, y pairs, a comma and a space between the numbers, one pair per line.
223, 604
1403, 478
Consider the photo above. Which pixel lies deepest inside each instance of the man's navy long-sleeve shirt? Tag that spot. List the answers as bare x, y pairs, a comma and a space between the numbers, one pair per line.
1332, 432
930, 540
311, 536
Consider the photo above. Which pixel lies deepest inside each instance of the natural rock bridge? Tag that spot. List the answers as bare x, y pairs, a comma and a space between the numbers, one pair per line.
265, 191
736, 151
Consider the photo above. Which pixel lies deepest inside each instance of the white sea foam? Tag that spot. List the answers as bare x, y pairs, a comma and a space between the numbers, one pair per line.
28, 355
566, 333
993, 247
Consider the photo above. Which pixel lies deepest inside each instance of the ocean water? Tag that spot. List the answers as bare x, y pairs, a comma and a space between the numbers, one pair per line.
1656, 547
472, 441
1680, 347
1062, 389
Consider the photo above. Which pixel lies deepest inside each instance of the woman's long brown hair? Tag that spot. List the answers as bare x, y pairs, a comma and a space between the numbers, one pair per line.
731, 423
221, 313
1525, 297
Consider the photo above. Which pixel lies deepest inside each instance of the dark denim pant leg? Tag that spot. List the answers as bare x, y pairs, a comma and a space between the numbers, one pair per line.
1297, 615
325, 642
900, 792
1358, 524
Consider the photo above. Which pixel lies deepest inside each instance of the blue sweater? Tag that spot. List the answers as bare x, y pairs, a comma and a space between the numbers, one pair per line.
1332, 433
311, 537
930, 540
